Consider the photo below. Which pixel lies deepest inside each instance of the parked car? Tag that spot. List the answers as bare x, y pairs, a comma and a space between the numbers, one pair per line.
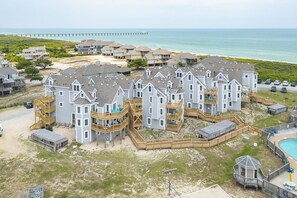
284, 90
293, 84
285, 83
259, 81
28, 105
277, 82
268, 81
1, 130
273, 89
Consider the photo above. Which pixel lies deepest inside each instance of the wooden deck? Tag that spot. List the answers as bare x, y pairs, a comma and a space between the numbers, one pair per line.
110, 116
174, 105
112, 128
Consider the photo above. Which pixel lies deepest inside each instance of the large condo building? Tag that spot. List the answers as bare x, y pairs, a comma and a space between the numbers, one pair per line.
100, 105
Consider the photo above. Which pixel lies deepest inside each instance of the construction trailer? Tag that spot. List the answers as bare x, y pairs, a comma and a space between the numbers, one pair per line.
277, 109
35, 192
49, 139
216, 130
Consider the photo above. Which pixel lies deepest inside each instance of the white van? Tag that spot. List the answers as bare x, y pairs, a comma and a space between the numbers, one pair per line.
1, 130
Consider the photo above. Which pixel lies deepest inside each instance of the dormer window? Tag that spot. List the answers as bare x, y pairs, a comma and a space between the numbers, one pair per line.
208, 74
81, 95
150, 89
50, 82
76, 87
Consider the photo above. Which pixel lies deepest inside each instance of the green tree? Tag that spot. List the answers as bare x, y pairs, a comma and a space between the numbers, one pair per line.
31, 71
5, 50
137, 63
180, 64
23, 64
37, 77
43, 63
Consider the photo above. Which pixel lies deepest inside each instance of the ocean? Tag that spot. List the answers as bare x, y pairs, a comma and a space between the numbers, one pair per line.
265, 44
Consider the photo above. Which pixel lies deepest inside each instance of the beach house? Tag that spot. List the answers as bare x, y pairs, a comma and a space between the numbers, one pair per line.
35, 53
10, 80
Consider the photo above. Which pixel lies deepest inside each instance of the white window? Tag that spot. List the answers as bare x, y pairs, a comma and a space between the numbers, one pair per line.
151, 110
246, 76
229, 87
161, 122
180, 96
86, 109
225, 87
139, 85
149, 121
86, 134
200, 97
224, 106
78, 122
50, 82
208, 74
138, 94
151, 99
86, 122
229, 95
60, 104
173, 97
225, 97
190, 77
61, 93
200, 88
191, 87
189, 105
81, 95
78, 109
238, 88
200, 106
161, 111
230, 104
238, 96
150, 89
191, 96
161, 100
214, 84
118, 92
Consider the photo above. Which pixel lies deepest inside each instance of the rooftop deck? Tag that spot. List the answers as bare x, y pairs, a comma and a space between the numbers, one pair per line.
110, 116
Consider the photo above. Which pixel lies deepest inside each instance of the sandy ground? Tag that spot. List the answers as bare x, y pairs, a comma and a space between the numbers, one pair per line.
16, 123
78, 61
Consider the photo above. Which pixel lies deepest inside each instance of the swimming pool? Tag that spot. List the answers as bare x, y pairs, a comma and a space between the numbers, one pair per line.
290, 147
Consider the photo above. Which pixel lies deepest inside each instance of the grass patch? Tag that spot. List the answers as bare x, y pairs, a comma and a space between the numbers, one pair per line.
289, 99
272, 120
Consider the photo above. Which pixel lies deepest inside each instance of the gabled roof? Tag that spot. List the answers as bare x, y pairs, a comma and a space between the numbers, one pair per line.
142, 49
161, 52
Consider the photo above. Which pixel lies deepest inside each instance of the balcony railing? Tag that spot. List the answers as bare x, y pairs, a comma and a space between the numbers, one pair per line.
211, 91
174, 105
110, 116
174, 127
48, 99
212, 100
111, 128
44, 106
174, 116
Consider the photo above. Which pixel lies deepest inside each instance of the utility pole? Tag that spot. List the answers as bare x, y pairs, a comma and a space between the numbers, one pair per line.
169, 172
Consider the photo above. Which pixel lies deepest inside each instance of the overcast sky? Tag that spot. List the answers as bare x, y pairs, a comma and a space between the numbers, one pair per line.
148, 14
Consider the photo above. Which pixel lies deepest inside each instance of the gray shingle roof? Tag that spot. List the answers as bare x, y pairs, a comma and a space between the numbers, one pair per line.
48, 135
8, 71
249, 162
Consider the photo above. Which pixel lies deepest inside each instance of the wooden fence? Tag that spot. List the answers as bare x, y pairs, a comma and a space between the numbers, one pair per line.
140, 143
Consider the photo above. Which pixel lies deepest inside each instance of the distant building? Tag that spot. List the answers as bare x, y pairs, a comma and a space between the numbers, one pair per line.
10, 81
158, 57
91, 46
3, 62
183, 59
277, 109
35, 53
293, 114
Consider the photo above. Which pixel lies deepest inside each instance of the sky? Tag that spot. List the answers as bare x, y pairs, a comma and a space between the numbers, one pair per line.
148, 14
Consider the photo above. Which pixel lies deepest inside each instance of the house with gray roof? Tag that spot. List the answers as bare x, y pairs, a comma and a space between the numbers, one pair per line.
10, 80
94, 98
3, 62
183, 59
91, 46
35, 53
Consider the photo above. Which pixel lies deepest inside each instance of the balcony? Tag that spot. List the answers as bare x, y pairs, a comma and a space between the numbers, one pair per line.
119, 113
111, 128
211, 91
210, 100
245, 99
174, 127
174, 116
48, 99
174, 105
